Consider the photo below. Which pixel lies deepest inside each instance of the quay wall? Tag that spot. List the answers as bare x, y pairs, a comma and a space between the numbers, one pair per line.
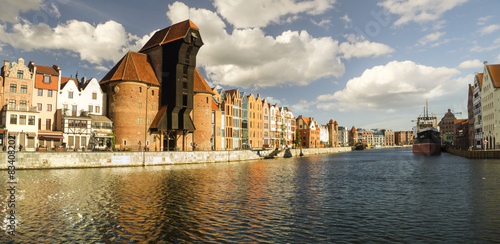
474, 154
51, 160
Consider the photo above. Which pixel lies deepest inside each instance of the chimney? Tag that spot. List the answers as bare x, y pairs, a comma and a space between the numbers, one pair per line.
6, 66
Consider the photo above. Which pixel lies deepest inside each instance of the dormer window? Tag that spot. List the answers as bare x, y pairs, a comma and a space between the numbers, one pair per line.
46, 79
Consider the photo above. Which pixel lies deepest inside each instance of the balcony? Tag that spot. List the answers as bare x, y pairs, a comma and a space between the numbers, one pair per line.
21, 108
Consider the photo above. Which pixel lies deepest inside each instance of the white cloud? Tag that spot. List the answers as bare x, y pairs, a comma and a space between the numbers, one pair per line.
10, 9
394, 86
94, 43
471, 64
364, 49
417, 10
325, 23
489, 29
483, 20
430, 38
248, 57
260, 13
51, 9
347, 21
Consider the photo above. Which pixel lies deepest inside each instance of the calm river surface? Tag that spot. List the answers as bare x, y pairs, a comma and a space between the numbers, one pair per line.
386, 195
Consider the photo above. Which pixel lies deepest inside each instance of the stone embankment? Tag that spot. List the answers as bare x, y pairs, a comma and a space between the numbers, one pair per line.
474, 154
50, 160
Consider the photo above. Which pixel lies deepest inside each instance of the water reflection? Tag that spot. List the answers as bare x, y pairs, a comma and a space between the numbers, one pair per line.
374, 195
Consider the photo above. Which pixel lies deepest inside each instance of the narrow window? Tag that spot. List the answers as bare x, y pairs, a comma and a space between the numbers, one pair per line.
20, 74
13, 88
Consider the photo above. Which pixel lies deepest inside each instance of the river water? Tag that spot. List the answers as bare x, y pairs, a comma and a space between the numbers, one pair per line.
385, 195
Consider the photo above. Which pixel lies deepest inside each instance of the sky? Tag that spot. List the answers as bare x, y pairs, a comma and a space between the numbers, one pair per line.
368, 64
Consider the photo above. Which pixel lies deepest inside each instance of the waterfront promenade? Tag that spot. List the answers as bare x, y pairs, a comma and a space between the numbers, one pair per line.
50, 160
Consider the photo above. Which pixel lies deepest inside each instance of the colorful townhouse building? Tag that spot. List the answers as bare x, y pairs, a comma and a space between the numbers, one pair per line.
19, 116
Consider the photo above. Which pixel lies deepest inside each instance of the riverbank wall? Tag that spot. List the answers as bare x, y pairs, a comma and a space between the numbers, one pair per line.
51, 160
474, 154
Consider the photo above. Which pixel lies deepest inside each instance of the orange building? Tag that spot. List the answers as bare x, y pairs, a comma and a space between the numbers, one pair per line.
309, 132
255, 122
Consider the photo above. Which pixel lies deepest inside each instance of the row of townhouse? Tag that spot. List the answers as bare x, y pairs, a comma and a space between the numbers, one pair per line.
379, 137
481, 129
241, 121
46, 111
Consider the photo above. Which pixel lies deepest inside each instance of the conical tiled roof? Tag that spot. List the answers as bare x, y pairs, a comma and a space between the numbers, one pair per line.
200, 85
132, 67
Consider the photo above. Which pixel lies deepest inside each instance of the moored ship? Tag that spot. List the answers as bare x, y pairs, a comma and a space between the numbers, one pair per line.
426, 140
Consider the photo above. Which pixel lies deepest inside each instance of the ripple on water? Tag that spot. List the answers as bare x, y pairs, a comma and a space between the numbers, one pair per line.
369, 196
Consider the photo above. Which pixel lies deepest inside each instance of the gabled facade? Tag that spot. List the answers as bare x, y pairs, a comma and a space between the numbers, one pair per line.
490, 95
227, 105
266, 123
255, 131
275, 129
236, 117
69, 96
19, 116
245, 123
47, 80
92, 97
447, 127
218, 129
309, 132
478, 120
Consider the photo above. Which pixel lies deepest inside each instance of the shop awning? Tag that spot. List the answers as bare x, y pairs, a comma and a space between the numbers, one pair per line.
51, 136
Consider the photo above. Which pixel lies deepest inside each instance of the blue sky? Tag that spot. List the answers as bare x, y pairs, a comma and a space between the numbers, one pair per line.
369, 64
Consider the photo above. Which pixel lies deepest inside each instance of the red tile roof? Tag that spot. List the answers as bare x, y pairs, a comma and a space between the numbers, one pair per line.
39, 84
480, 79
132, 67
47, 70
160, 120
214, 105
64, 81
169, 34
200, 85
495, 74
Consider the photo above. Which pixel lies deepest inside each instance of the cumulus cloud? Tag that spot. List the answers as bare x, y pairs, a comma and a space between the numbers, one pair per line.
418, 11
471, 64
394, 86
260, 13
364, 49
94, 43
12, 8
430, 38
489, 29
248, 57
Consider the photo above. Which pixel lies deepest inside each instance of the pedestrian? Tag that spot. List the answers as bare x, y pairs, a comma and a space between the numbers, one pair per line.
20, 147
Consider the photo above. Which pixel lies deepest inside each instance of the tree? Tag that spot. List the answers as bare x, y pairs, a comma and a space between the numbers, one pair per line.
297, 138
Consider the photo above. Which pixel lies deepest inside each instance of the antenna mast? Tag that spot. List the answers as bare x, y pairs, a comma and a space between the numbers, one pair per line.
426, 108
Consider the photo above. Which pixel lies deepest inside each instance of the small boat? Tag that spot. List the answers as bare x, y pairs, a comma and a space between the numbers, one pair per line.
426, 141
